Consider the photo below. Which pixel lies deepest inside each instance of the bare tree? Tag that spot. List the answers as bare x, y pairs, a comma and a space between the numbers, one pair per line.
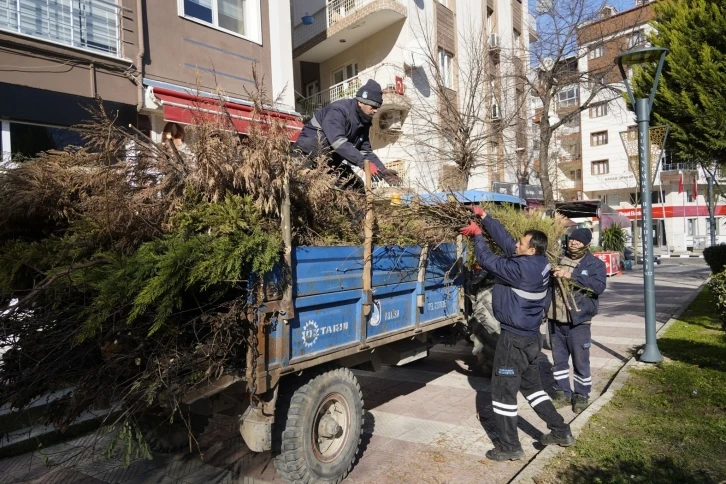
457, 115
566, 78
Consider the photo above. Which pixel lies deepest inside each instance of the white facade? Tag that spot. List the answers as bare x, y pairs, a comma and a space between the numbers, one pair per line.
390, 44
679, 220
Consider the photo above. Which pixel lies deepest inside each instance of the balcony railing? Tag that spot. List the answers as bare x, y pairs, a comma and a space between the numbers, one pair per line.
334, 11
679, 166
85, 24
385, 74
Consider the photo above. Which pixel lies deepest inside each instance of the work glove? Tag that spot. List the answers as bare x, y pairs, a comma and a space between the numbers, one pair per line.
471, 230
391, 177
478, 211
375, 171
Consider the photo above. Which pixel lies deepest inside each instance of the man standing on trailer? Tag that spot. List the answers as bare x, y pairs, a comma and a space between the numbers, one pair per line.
520, 299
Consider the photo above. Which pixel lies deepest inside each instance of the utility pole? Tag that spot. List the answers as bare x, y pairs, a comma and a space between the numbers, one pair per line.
711, 218
643, 107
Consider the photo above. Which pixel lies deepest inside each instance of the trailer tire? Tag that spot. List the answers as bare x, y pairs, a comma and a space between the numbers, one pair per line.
319, 427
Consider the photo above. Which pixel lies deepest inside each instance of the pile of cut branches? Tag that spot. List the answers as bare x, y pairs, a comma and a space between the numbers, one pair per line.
125, 265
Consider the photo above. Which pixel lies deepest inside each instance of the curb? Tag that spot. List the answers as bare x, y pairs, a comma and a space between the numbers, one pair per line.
681, 256
535, 466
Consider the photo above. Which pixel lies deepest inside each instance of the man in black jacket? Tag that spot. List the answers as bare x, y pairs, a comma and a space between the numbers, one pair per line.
340, 131
520, 298
569, 324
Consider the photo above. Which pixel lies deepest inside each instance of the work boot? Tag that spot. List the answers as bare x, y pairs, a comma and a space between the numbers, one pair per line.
579, 403
564, 440
500, 455
561, 400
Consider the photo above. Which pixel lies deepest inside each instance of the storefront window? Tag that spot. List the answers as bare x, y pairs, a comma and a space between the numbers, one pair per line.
28, 140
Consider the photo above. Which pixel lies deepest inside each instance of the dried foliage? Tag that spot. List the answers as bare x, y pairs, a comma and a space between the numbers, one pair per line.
125, 266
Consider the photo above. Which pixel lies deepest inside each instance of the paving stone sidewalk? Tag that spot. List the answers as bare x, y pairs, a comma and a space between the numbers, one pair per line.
430, 421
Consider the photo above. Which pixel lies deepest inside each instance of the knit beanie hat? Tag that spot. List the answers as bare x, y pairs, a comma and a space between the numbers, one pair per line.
583, 235
370, 93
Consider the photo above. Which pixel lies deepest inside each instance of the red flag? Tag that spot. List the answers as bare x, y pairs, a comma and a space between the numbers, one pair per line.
694, 193
680, 183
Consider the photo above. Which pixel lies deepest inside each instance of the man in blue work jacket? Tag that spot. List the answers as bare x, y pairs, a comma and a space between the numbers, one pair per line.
520, 298
340, 132
569, 324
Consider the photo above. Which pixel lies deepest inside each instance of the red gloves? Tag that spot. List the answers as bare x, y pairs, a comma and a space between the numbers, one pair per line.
478, 211
471, 230
374, 170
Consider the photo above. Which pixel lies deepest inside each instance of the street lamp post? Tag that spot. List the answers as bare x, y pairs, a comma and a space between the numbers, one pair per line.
643, 107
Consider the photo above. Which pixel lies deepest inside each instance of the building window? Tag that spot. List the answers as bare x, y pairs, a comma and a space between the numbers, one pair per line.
567, 97
718, 222
636, 39
598, 110
346, 72
446, 61
597, 80
312, 88
86, 24
576, 174
600, 167
654, 198
598, 139
239, 17
692, 225
29, 140
596, 51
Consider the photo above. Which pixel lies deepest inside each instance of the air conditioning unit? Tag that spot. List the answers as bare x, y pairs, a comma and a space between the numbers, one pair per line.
495, 41
496, 112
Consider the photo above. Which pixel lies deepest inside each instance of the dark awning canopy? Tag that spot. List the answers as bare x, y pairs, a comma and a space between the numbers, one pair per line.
579, 208
593, 208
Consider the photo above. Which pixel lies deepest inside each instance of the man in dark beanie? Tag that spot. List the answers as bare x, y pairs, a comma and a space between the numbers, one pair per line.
583, 276
340, 132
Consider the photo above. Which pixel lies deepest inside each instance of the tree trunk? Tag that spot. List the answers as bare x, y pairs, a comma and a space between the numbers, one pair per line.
544, 166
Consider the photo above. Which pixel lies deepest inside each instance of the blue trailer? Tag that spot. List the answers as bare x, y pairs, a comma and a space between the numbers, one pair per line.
341, 307
336, 323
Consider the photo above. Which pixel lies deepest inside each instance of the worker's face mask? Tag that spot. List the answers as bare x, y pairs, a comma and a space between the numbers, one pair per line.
365, 118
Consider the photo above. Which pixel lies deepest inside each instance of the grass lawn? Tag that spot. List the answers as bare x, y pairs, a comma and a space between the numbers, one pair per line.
668, 423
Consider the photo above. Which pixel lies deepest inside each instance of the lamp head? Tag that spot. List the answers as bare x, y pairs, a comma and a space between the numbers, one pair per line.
640, 56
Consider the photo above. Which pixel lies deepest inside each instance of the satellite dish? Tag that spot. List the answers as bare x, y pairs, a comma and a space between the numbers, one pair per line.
414, 55
547, 63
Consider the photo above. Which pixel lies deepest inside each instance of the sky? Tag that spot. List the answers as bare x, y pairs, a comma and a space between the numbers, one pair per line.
620, 5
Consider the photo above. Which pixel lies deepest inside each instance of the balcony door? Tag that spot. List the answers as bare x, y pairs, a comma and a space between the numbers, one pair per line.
343, 87
345, 73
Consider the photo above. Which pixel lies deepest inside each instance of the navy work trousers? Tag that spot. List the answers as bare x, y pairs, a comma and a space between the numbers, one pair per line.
575, 341
516, 368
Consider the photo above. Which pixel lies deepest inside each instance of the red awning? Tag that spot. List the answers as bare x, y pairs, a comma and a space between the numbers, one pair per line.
181, 107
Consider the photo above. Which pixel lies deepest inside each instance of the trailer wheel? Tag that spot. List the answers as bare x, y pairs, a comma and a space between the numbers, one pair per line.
320, 425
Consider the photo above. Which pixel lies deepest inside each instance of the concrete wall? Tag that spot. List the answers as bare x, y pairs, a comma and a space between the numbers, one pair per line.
45, 65
184, 52
379, 48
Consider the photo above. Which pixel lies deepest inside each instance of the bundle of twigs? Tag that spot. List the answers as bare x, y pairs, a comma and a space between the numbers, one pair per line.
125, 265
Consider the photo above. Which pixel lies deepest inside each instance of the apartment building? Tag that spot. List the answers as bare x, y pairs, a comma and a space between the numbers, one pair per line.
339, 44
679, 219
565, 158
150, 62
